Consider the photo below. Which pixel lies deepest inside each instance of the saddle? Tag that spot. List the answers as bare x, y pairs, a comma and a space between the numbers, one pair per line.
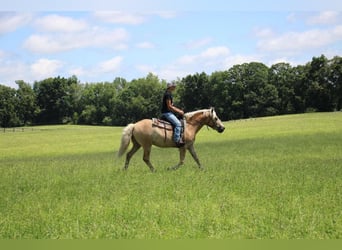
160, 123
166, 125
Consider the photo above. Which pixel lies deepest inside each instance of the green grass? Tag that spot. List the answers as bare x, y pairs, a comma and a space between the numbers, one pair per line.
267, 178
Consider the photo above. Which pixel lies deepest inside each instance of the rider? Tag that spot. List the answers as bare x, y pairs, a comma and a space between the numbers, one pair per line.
168, 111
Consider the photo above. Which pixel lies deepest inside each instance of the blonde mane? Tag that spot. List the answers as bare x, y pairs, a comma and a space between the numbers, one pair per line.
189, 115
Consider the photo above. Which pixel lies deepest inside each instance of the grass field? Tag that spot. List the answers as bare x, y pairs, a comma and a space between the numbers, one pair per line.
265, 178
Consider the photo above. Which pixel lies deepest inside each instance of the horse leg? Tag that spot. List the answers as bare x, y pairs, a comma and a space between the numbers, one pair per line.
146, 158
194, 155
129, 155
182, 152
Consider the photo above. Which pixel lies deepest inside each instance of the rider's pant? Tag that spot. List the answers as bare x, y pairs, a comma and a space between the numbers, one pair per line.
176, 123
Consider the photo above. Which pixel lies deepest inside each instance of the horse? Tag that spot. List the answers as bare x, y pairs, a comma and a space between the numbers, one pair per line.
143, 134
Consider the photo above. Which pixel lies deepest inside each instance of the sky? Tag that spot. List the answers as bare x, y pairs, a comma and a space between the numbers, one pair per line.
100, 40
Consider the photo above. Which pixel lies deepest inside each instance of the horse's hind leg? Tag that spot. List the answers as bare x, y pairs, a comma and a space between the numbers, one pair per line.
129, 155
146, 158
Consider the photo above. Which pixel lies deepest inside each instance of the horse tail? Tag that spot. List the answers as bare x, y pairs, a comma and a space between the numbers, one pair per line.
126, 138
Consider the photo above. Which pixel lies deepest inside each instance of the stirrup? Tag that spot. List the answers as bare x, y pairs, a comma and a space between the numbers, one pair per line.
180, 143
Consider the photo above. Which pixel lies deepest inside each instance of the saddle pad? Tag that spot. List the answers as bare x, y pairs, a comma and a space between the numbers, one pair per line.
161, 124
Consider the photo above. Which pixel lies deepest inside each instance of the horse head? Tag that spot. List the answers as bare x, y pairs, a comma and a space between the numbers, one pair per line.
205, 117
214, 121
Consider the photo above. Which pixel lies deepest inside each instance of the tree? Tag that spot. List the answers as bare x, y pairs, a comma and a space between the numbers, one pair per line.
320, 90
140, 99
237, 87
8, 107
252, 95
195, 92
300, 86
220, 94
282, 77
27, 106
97, 103
335, 78
260, 96
242, 91
56, 99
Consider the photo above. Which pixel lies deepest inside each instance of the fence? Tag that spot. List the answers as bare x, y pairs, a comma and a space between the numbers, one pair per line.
22, 129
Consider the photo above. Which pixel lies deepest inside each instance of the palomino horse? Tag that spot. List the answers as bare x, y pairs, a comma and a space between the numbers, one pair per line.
143, 134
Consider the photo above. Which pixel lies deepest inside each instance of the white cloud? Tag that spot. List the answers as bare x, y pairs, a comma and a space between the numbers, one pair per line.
13, 68
214, 52
111, 65
187, 59
209, 60
144, 69
44, 68
10, 21
2, 55
213, 58
292, 17
195, 44
57, 23
172, 72
208, 56
166, 14
145, 45
77, 71
98, 70
240, 59
45, 44
293, 42
10, 71
120, 17
325, 17
263, 32
293, 62
92, 37
130, 17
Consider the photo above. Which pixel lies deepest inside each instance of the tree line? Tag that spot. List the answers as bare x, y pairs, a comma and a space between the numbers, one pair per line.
243, 91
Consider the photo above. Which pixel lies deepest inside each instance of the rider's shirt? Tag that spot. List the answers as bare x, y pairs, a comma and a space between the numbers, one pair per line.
167, 96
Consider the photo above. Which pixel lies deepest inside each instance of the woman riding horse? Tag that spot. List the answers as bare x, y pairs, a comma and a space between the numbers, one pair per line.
168, 112
143, 134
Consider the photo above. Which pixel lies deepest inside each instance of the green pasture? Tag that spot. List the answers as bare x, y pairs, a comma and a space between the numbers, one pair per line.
265, 178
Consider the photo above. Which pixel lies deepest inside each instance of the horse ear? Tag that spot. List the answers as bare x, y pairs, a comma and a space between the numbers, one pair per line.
212, 109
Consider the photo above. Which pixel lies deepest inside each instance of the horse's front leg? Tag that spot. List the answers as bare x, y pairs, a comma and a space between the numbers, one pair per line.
182, 152
194, 155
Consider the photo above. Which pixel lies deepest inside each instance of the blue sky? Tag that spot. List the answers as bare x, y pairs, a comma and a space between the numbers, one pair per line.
98, 42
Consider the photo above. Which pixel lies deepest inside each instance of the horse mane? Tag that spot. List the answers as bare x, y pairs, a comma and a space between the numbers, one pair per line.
189, 115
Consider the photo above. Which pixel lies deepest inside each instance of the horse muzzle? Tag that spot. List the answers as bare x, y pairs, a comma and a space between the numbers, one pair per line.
220, 129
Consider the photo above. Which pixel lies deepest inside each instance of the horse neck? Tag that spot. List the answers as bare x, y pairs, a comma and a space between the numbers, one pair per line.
197, 121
